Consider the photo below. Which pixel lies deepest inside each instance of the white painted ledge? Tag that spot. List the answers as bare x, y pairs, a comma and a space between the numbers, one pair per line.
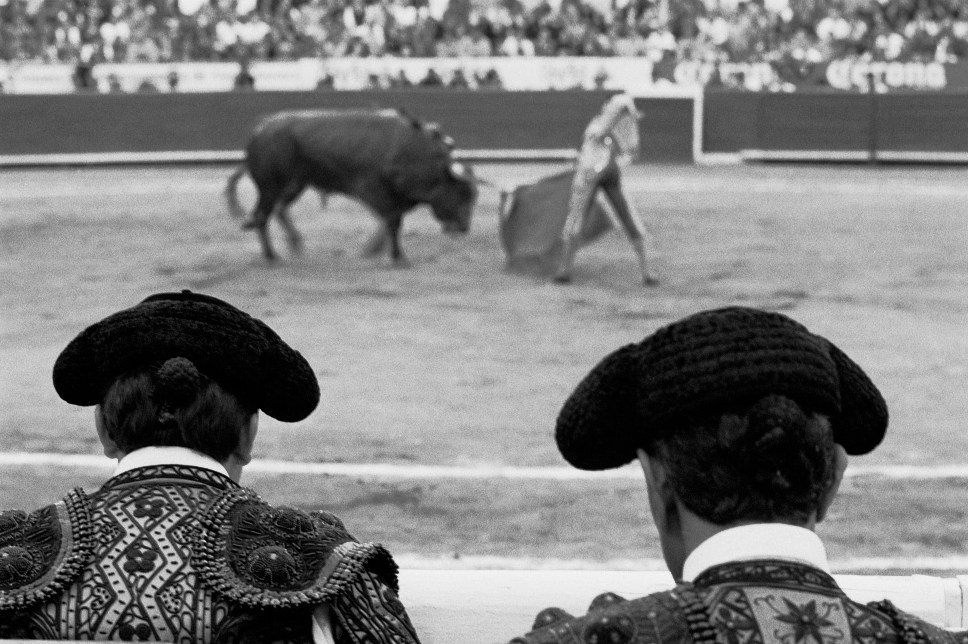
492, 606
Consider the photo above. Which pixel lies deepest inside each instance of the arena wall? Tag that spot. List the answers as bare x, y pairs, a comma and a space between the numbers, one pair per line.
839, 126
59, 126
222, 121
802, 126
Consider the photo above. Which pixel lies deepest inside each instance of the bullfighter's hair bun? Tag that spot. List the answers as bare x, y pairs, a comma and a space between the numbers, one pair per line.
220, 342
714, 361
177, 381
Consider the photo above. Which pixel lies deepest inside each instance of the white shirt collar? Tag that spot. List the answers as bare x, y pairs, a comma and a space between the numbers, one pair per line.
757, 541
147, 456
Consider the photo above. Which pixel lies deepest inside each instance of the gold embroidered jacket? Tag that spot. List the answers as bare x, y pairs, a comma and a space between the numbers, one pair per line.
183, 554
752, 602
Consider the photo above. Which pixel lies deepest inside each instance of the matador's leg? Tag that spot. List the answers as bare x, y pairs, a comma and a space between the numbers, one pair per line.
631, 222
583, 188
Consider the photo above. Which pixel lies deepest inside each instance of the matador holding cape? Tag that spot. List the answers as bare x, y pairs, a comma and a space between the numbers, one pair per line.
548, 221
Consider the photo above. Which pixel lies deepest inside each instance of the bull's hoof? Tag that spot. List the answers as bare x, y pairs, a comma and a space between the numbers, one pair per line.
249, 225
562, 278
648, 280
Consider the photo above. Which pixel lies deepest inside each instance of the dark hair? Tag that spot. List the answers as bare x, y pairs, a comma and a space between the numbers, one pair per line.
174, 405
772, 461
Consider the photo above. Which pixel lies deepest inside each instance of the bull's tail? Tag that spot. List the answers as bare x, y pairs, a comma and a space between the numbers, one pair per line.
232, 193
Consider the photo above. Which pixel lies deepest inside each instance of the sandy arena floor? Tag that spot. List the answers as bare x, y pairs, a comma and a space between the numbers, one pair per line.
456, 360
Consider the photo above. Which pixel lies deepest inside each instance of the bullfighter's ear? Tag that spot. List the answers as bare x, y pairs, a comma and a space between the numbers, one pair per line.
449, 141
458, 170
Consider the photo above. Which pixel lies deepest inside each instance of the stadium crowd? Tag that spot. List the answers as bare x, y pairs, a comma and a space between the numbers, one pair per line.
795, 31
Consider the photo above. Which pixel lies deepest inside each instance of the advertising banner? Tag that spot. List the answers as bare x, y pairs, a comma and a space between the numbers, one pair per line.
859, 74
557, 73
637, 75
750, 76
39, 78
632, 74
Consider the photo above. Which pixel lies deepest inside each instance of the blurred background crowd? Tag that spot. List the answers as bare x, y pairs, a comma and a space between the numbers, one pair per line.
791, 32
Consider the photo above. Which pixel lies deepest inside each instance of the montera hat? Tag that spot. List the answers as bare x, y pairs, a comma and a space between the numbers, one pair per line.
714, 361
229, 346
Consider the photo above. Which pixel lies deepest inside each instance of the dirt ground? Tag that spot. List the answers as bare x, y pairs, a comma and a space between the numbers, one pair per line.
458, 361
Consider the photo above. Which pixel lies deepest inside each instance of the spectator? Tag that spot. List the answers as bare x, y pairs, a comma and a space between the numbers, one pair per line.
114, 84
400, 80
84, 71
431, 79
244, 80
488, 80
732, 30
326, 82
458, 80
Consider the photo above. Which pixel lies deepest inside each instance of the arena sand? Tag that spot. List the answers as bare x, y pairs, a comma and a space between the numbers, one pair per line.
457, 361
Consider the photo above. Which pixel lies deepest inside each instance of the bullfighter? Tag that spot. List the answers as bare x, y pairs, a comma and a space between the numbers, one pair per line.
172, 548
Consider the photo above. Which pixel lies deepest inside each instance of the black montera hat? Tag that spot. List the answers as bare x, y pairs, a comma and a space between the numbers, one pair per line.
227, 345
714, 360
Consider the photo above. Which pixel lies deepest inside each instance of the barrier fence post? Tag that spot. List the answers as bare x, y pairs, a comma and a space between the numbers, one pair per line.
963, 585
954, 602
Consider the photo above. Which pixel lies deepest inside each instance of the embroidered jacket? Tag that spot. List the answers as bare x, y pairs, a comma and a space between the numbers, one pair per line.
752, 602
183, 554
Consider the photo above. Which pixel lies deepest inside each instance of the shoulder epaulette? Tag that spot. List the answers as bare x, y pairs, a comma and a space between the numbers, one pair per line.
264, 556
41, 552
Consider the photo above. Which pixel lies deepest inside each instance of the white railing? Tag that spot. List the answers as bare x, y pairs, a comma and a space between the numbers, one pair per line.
492, 606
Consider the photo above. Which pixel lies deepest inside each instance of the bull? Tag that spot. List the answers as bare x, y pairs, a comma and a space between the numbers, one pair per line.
385, 159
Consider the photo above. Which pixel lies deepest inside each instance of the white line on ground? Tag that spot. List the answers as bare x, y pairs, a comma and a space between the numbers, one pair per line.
414, 471
236, 156
638, 180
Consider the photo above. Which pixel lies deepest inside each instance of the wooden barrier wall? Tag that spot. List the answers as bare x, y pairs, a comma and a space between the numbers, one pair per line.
811, 126
838, 126
75, 124
80, 123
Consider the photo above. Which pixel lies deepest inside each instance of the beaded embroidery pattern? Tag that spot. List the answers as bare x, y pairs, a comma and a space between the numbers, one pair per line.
123, 564
142, 584
262, 556
762, 602
43, 551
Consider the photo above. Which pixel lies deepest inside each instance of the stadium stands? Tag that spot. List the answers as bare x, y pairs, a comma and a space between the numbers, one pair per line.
793, 35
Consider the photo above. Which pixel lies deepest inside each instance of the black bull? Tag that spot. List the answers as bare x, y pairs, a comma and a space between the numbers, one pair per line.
385, 159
